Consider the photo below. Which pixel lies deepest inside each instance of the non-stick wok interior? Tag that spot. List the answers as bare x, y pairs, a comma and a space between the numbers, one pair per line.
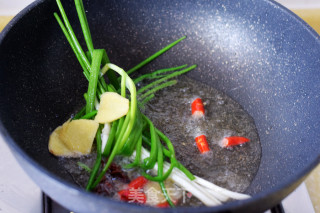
255, 51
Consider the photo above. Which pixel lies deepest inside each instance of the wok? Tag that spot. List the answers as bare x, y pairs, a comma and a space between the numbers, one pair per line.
256, 51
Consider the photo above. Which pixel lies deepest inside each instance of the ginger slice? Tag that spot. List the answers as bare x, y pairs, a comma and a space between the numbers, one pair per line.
78, 135
57, 147
112, 107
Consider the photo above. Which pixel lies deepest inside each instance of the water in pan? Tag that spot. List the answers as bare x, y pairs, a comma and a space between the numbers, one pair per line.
233, 168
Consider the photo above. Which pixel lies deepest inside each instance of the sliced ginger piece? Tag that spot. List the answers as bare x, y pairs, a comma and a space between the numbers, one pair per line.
73, 138
112, 107
78, 135
57, 147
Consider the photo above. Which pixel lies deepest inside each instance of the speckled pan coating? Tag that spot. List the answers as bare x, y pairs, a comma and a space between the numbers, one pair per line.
257, 52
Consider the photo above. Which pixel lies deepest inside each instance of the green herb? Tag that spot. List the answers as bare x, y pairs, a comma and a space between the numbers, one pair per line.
155, 74
98, 160
89, 115
84, 166
166, 78
93, 79
157, 54
129, 133
80, 113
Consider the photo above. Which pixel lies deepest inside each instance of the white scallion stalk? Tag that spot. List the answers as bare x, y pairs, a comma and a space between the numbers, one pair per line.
105, 135
207, 192
96, 104
218, 189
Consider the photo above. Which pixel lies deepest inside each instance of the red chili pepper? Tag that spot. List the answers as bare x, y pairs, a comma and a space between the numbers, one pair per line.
197, 108
233, 141
124, 194
166, 204
142, 198
137, 196
132, 196
139, 182
202, 144
163, 205
134, 193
